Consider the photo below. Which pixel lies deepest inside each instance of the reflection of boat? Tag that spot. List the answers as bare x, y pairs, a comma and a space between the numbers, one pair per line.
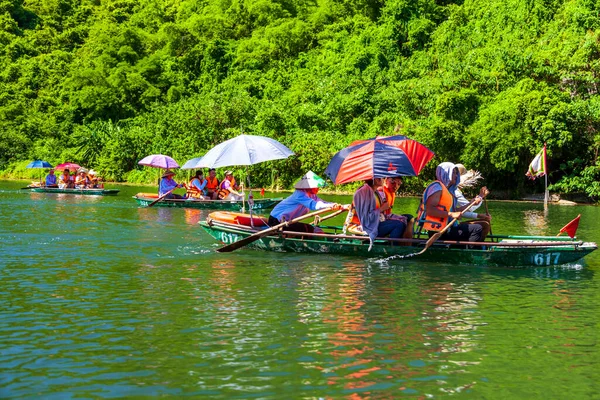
92, 192
144, 199
509, 251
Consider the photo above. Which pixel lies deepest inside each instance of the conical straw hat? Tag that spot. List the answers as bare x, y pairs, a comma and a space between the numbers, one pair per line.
310, 180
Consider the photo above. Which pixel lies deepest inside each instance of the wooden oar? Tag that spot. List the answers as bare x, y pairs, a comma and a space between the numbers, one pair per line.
161, 197
488, 213
252, 238
437, 235
318, 220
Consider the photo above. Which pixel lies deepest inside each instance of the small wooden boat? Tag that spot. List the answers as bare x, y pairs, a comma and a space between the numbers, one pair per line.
499, 250
144, 199
88, 192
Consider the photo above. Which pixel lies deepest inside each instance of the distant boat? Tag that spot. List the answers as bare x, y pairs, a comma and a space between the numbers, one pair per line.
499, 250
87, 192
144, 199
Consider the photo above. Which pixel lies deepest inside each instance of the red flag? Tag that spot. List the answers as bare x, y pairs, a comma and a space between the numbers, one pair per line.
571, 227
262, 192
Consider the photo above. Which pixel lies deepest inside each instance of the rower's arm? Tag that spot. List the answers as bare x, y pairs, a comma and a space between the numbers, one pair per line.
432, 209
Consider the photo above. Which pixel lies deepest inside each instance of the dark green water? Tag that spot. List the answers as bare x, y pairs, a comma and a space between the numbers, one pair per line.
102, 299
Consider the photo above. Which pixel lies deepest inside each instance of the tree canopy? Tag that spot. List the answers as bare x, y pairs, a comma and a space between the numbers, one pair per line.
485, 83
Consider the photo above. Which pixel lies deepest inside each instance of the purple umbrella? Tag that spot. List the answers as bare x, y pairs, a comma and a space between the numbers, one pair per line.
159, 161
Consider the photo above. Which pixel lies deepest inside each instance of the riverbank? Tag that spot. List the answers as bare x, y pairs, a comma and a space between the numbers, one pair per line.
499, 196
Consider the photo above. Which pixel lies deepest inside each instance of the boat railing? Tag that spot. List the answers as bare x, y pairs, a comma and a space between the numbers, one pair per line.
541, 243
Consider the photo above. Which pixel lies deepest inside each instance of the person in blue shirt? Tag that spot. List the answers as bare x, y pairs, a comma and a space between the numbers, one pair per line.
197, 186
166, 184
51, 179
303, 200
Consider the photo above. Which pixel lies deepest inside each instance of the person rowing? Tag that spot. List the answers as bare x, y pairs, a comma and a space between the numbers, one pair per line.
303, 200
167, 185
439, 206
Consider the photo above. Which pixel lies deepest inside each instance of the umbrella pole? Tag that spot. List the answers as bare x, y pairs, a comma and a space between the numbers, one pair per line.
250, 197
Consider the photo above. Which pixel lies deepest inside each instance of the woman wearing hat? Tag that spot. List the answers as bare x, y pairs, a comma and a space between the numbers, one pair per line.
303, 200
95, 180
81, 180
167, 184
228, 190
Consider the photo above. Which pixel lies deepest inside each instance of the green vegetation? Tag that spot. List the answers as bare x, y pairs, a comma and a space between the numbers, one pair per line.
486, 83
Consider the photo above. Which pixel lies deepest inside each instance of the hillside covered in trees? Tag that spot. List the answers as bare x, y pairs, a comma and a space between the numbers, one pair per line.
486, 83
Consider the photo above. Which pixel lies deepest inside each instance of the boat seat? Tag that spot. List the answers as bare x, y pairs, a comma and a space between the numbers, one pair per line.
147, 195
238, 219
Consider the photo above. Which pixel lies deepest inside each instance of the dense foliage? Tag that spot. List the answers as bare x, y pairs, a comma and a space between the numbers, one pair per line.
486, 83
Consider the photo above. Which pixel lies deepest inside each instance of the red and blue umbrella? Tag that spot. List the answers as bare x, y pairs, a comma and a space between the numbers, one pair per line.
380, 157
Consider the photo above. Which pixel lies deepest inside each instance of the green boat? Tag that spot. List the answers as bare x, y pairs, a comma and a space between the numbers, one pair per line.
144, 200
498, 250
87, 192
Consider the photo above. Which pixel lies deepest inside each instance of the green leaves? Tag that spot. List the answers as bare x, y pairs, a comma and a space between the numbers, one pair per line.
484, 83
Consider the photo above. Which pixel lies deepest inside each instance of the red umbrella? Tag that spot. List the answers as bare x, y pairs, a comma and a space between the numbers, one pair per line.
379, 157
68, 165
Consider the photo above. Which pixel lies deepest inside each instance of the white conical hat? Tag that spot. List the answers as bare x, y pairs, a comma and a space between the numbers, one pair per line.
310, 180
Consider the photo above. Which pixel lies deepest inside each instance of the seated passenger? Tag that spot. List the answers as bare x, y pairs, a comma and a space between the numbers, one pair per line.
95, 180
227, 188
212, 185
365, 214
303, 200
439, 206
81, 180
388, 192
51, 179
64, 180
196, 188
167, 184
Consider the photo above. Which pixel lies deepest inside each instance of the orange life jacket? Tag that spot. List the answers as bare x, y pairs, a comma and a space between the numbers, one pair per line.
352, 218
224, 192
428, 222
213, 184
390, 196
193, 190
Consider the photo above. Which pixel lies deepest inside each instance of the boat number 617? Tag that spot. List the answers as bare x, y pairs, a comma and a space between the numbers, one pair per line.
546, 258
227, 238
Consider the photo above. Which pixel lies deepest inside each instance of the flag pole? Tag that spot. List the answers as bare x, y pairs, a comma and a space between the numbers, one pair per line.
546, 194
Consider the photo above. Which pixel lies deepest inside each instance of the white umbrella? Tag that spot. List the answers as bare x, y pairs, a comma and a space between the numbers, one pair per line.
191, 164
243, 150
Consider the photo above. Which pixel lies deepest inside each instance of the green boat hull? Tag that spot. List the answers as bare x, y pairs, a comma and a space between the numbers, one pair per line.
493, 255
85, 192
259, 204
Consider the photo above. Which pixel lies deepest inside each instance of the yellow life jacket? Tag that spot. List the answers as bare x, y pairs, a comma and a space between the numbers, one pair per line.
446, 202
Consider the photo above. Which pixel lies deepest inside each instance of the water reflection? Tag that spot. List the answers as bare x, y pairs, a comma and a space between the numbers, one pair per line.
193, 216
535, 222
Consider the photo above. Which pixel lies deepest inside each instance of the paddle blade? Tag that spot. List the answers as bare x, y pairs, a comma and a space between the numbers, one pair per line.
247, 240
431, 241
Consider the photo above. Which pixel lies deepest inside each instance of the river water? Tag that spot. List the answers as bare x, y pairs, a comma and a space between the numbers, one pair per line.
102, 299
